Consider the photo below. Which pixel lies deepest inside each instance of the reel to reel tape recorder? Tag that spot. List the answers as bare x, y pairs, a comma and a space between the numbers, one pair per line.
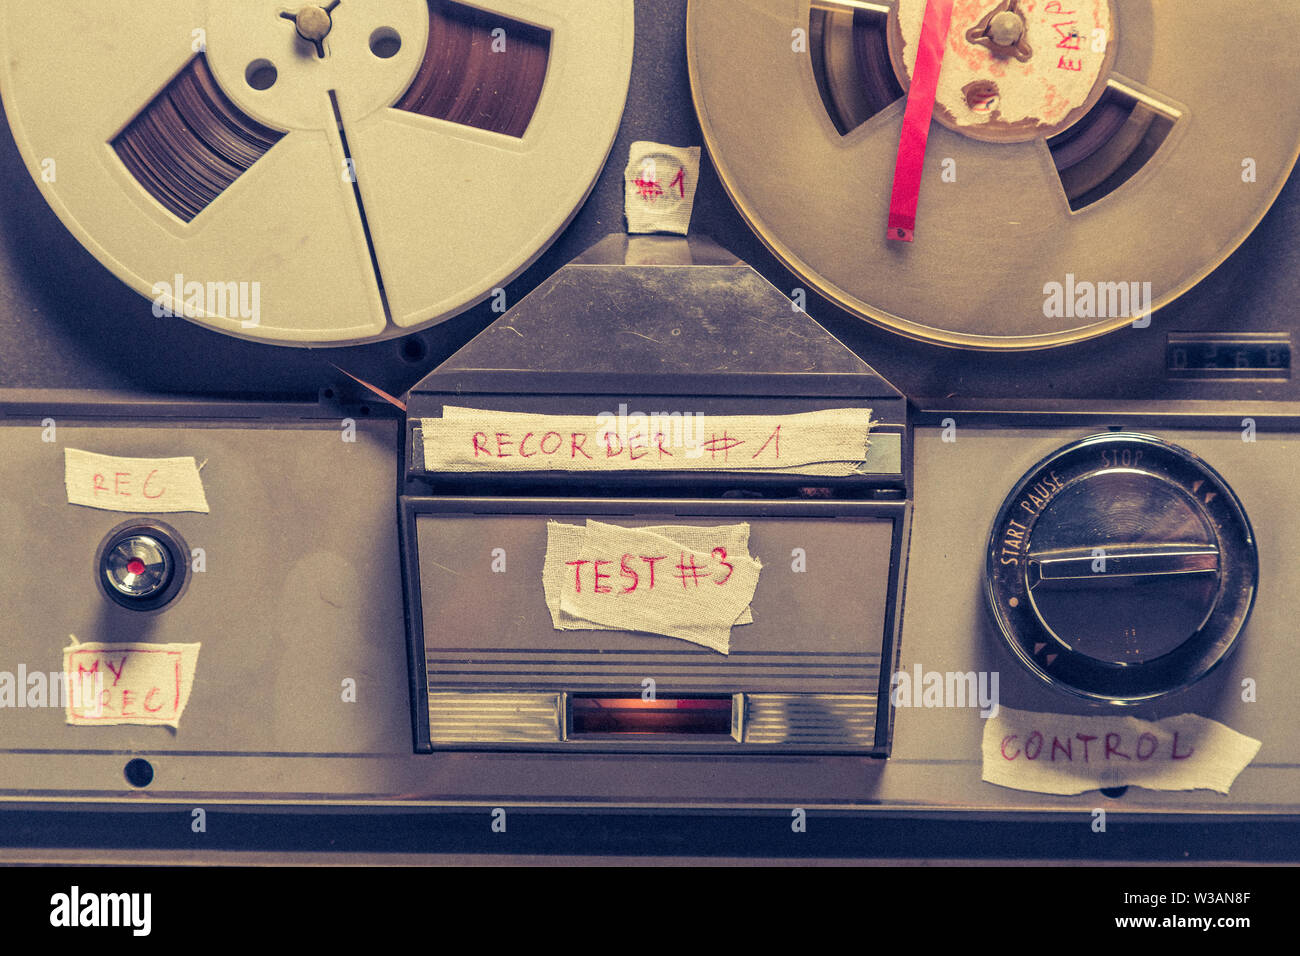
912, 510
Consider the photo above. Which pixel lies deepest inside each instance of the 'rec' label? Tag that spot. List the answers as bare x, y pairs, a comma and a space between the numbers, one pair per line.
135, 485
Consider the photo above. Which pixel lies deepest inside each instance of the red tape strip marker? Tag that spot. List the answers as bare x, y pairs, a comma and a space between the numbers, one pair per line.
916, 120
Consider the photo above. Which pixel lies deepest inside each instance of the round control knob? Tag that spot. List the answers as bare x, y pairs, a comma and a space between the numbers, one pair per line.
1121, 568
141, 567
138, 566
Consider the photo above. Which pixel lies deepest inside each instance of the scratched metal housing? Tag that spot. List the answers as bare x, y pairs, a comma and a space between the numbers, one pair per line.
691, 330
259, 736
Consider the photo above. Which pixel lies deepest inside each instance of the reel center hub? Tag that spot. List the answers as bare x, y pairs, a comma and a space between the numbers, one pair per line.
1019, 73
1006, 28
283, 67
313, 23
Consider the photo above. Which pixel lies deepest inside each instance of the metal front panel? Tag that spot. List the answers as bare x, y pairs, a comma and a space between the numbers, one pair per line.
961, 485
934, 765
299, 593
490, 631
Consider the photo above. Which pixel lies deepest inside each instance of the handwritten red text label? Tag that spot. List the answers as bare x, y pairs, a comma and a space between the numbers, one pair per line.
138, 485
128, 683
693, 583
831, 443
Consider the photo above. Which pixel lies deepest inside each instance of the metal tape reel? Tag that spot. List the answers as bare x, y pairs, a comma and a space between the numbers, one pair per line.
990, 244
451, 211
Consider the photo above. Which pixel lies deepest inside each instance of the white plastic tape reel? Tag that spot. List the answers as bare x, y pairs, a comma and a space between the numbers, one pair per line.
453, 211
996, 233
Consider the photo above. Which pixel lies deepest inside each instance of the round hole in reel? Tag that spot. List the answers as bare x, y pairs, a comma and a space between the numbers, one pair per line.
385, 43
261, 74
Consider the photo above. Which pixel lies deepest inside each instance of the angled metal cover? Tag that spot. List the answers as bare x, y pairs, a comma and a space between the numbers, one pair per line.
657, 315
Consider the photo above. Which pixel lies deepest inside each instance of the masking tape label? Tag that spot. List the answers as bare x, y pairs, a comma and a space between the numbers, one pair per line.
691, 583
1063, 754
128, 683
135, 485
828, 443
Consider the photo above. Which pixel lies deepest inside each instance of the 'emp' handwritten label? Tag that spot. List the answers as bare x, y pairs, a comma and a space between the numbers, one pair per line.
830, 443
686, 582
1061, 754
128, 683
136, 485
